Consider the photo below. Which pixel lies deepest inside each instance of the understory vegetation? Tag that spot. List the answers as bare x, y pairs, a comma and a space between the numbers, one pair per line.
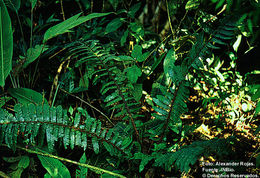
119, 88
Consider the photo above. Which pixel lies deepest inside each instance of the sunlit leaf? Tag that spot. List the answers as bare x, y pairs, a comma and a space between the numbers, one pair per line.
192, 4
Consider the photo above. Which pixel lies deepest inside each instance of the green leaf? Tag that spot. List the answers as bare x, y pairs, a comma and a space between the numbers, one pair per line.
192, 4
169, 61
137, 52
54, 167
113, 25
124, 37
24, 162
134, 9
33, 54
133, 73
144, 160
124, 58
95, 145
137, 91
83, 170
70, 23
12, 159
33, 2
26, 96
17, 173
6, 43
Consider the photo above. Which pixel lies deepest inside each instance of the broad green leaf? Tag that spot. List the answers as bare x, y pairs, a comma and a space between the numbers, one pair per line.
169, 61
26, 96
113, 25
134, 9
137, 91
137, 52
70, 23
6, 43
24, 162
54, 167
143, 57
34, 53
133, 73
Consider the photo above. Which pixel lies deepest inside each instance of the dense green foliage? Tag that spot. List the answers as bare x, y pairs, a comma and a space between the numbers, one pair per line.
121, 77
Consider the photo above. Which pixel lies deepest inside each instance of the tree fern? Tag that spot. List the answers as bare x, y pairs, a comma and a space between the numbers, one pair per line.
36, 122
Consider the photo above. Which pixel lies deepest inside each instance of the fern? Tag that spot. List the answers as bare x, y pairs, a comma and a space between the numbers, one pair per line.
171, 104
115, 85
188, 155
36, 122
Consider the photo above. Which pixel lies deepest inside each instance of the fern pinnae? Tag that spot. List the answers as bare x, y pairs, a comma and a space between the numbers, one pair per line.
30, 120
116, 79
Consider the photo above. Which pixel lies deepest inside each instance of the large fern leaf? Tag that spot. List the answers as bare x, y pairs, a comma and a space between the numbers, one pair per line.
116, 87
188, 155
31, 122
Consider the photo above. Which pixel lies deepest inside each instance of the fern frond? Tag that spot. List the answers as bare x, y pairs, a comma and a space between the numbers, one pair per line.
115, 86
188, 155
31, 121
169, 108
